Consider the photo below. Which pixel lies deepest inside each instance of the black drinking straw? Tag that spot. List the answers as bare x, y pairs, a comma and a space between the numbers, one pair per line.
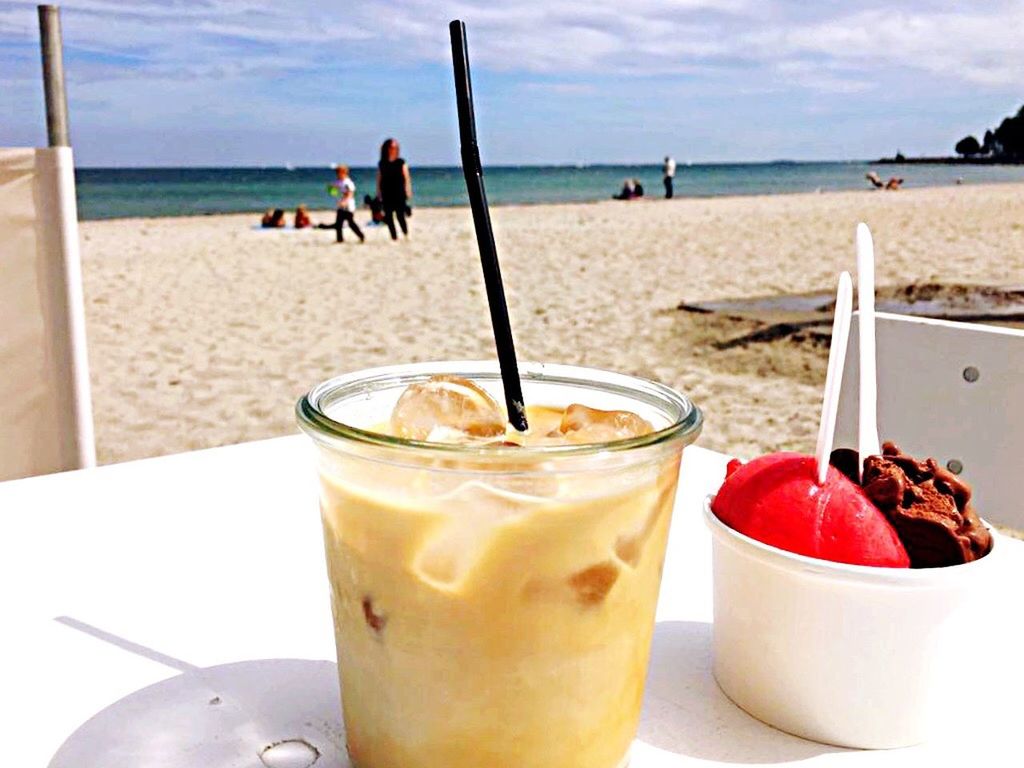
484, 234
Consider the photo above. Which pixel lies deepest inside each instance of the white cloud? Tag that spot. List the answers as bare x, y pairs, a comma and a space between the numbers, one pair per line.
565, 89
153, 9
304, 33
828, 78
980, 46
827, 46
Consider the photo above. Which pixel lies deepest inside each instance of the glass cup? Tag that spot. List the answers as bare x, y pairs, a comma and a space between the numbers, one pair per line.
493, 605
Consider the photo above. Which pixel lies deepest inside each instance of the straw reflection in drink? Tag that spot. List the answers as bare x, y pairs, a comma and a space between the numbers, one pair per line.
494, 604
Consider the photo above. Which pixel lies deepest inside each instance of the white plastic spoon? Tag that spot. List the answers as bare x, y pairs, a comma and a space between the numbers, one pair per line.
834, 377
867, 431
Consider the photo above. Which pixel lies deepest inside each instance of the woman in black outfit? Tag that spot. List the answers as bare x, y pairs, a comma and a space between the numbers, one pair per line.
394, 187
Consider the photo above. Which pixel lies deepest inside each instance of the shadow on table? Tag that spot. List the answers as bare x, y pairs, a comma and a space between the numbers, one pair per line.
215, 716
686, 713
231, 714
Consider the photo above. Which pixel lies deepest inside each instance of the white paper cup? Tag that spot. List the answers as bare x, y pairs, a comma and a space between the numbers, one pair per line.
849, 655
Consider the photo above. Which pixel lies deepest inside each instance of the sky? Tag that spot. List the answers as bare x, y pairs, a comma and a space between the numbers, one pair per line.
271, 82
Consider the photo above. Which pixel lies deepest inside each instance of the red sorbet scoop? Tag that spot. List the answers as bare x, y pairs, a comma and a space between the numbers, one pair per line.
776, 500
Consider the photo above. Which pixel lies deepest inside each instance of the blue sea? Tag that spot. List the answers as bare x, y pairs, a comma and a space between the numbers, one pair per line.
106, 193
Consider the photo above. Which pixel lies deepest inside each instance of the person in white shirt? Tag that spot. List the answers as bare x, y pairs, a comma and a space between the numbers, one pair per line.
669, 172
345, 190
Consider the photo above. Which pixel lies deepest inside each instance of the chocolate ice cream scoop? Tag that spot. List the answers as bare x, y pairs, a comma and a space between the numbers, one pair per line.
929, 507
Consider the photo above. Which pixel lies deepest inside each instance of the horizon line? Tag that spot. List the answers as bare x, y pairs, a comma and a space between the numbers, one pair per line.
439, 166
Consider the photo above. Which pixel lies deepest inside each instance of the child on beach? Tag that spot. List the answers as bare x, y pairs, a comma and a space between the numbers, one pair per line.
345, 190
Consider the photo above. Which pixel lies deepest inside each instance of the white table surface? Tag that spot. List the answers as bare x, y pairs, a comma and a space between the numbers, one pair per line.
137, 599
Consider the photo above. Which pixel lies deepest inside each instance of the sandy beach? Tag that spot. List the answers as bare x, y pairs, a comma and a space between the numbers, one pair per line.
204, 331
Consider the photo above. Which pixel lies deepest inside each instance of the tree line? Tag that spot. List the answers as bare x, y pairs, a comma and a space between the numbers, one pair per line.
1004, 143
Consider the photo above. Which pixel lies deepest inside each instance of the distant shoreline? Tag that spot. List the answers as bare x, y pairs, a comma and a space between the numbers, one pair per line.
581, 166
954, 160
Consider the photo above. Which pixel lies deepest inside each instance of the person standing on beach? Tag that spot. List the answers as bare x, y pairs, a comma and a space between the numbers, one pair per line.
669, 172
394, 187
345, 190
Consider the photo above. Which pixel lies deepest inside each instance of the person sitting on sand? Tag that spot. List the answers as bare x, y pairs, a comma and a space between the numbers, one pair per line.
344, 189
273, 219
302, 220
628, 191
876, 181
638, 188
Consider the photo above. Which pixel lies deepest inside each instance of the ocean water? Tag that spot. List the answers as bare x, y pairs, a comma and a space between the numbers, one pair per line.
105, 193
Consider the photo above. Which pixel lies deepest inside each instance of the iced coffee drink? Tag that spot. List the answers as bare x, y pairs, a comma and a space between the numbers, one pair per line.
494, 591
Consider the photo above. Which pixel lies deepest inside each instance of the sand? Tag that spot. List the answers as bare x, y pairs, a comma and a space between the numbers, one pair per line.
203, 331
